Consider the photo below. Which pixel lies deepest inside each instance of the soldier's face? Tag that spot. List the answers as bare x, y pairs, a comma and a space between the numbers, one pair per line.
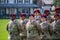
31, 17
37, 14
23, 17
14, 17
56, 18
43, 19
47, 13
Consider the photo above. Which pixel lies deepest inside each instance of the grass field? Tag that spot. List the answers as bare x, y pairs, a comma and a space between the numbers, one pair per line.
3, 32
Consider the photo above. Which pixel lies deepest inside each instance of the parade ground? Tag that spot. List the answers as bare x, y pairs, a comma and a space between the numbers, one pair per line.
3, 32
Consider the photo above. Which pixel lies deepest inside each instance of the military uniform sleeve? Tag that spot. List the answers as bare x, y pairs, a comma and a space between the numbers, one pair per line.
19, 27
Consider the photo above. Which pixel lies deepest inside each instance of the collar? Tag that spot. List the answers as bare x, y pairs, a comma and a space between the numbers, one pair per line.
23, 20
31, 20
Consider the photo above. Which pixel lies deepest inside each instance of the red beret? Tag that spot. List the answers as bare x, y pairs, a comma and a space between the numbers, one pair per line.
23, 14
56, 15
46, 11
57, 9
37, 11
31, 15
44, 15
12, 15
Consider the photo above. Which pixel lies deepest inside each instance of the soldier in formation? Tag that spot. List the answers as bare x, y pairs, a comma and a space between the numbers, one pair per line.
44, 26
23, 21
31, 27
56, 26
13, 28
37, 15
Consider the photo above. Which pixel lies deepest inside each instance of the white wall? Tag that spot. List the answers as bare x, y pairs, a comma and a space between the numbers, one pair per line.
48, 1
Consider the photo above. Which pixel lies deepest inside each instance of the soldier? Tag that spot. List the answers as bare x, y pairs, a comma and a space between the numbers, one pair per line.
56, 25
23, 22
49, 18
31, 27
57, 10
37, 16
44, 27
13, 28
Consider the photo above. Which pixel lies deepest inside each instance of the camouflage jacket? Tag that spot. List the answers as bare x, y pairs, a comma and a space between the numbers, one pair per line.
57, 25
45, 26
31, 29
23, 26
13, 28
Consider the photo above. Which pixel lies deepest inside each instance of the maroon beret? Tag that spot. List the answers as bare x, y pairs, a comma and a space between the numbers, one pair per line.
23, 14
44, 15
57, 9
31, 15
46, 11
37, 11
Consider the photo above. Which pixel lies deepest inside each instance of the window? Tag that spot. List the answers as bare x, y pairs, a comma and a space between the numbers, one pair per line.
20, 1
11, 10
11, 1
2, 1
19, 10
27, 1
2, 11
24, 10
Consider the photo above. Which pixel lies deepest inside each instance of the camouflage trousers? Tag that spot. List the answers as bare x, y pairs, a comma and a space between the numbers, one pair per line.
54, 35
14, 37
44, 35
33, 38
23, 36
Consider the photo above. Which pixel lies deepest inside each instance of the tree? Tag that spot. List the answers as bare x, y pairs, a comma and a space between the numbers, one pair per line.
35, 1
57, 3
38, 2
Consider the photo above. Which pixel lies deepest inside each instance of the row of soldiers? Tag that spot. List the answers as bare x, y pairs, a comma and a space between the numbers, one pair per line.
37, 27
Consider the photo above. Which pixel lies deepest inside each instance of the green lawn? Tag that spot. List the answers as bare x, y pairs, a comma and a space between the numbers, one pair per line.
3, 32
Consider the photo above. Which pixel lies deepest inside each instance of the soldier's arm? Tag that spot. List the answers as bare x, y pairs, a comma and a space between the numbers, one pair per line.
38, 28
27, 25
20, 29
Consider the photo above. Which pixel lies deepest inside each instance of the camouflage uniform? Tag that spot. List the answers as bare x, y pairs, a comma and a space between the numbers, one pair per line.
32, 32
13, 29
23, 34
56, 28
45, 30
49, 18
47, 12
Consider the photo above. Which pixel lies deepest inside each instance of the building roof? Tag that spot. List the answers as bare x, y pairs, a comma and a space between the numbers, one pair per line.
19, 5
48, 1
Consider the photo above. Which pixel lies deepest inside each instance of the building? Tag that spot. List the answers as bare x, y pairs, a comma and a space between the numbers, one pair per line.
16, 6
47, 4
